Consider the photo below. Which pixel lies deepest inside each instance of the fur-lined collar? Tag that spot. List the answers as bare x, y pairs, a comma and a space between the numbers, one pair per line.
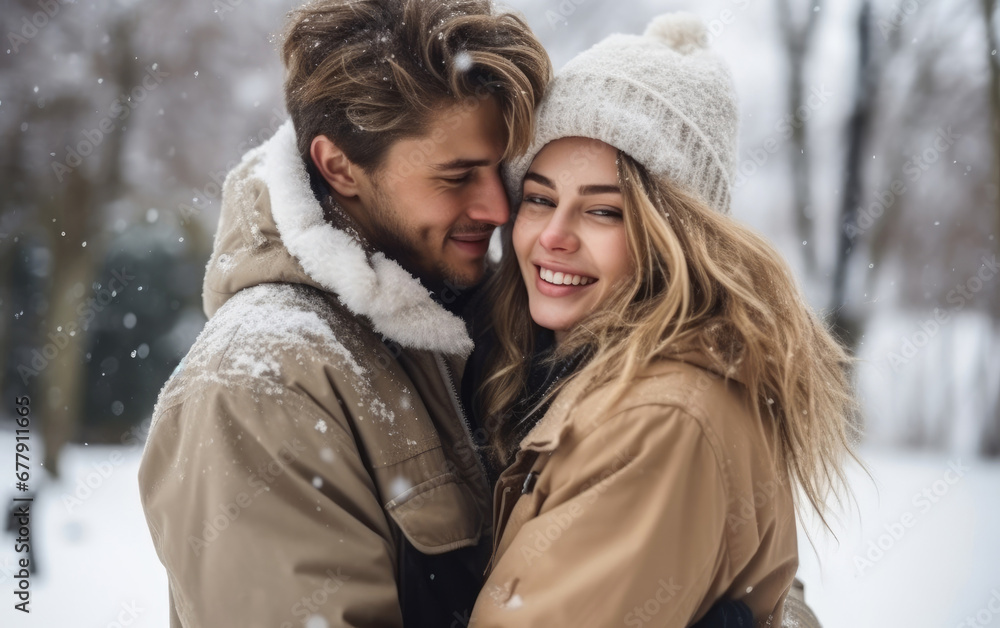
272, 183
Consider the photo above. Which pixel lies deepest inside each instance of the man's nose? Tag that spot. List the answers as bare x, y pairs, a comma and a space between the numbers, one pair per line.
489, 201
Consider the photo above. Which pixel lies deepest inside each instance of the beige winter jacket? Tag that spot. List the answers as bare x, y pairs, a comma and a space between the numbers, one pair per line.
644, 513
311, 427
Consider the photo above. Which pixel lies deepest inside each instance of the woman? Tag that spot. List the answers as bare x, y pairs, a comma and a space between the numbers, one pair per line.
677, 384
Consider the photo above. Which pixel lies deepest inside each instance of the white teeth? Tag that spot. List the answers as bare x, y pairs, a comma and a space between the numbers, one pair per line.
563, 279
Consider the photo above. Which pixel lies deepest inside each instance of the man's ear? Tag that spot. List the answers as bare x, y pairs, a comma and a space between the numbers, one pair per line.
334, 166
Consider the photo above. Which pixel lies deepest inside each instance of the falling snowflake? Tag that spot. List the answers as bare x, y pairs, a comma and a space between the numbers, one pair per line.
316, 621
463, 61
399, 486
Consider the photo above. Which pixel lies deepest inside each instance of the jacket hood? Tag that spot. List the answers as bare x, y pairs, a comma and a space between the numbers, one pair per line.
272, 230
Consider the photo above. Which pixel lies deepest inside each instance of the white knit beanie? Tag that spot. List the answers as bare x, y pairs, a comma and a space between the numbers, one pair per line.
663, 98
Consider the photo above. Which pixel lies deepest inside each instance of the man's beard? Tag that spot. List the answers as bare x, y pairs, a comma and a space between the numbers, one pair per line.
390, 236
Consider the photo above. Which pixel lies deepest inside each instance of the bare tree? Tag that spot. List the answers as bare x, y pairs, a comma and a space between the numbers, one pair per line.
922, 89
797, 34
928, 235
989, 13
74, 214
991, 444
171, 143
844, 323
11, 215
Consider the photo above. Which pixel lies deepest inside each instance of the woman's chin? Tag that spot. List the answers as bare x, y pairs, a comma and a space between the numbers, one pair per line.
560, 324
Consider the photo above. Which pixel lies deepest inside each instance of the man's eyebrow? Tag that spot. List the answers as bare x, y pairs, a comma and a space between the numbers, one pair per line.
462, 164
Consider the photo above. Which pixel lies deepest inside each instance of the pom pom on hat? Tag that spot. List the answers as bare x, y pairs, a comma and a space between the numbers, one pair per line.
663, 98
684, 32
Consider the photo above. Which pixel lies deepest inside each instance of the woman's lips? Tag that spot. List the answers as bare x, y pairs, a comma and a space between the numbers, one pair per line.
549, 289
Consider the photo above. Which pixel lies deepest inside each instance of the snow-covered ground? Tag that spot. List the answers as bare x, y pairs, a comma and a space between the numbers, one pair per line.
933, 522
97, 564
921, 548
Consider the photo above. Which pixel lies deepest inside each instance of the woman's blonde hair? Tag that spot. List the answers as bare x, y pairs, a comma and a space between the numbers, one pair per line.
703, 283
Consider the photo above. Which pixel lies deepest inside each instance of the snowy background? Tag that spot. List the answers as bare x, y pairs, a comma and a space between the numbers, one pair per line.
854, 105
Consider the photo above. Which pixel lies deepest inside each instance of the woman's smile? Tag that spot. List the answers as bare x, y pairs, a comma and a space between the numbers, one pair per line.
562, 278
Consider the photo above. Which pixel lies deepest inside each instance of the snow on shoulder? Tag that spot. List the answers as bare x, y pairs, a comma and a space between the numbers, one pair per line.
255, 336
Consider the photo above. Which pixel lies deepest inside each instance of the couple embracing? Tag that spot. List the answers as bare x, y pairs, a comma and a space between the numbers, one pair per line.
609, 420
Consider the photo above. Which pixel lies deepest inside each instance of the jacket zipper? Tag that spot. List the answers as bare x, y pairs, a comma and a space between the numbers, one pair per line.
497, 528
457, 404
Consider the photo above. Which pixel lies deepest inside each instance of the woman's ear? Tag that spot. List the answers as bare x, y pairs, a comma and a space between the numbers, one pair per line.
334, 166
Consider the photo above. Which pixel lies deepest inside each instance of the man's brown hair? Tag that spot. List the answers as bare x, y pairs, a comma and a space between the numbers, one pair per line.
366, 73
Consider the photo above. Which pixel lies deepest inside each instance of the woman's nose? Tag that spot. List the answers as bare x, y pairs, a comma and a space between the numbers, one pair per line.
559, 234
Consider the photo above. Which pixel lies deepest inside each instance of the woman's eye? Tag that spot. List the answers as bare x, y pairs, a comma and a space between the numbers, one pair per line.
538, 200
607, 213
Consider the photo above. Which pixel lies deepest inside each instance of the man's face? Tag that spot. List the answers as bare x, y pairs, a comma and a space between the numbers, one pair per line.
435, 201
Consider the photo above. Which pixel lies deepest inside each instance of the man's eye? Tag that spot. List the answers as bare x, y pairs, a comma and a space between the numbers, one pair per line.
462, 179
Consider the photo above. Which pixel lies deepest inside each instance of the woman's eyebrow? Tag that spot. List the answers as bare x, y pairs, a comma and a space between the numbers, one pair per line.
584, 190
587, 190
537, 178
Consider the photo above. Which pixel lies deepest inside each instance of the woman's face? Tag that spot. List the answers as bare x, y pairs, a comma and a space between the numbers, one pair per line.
569, 235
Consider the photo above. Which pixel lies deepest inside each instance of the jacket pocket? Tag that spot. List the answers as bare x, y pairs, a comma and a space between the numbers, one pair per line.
437, 515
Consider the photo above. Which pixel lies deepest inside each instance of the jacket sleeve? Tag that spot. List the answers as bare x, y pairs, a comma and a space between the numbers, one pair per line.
264, 515
629, 530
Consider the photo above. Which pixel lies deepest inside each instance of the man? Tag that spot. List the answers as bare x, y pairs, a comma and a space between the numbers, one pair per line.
308, 463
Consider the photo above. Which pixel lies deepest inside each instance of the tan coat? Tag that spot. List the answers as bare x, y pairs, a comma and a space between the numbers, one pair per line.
311, 427
642, 514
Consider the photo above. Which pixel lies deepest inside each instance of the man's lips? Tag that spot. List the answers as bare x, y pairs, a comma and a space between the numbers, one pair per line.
472, 237
474, 244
